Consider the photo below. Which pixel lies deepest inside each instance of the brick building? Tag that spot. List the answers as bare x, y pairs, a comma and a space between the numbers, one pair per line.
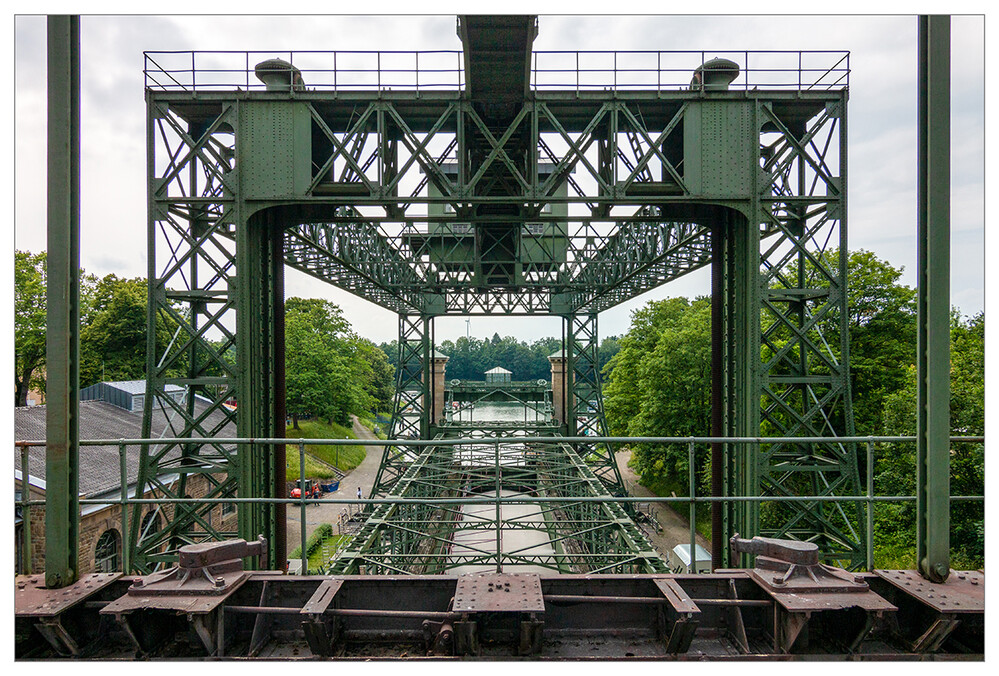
107, 411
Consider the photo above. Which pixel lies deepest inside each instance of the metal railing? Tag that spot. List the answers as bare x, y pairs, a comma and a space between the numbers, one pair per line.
869, 498
442, 70
671, 70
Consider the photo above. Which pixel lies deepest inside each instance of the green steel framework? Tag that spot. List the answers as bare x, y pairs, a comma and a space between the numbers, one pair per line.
594, 537
334, 183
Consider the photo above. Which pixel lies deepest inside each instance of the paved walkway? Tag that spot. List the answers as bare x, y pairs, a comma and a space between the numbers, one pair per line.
676, 528
362, 476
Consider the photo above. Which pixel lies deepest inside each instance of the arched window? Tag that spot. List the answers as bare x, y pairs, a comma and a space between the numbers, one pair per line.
108, 552
150, 526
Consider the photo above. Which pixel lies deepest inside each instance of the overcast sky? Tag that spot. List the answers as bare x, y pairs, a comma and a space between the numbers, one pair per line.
882, 129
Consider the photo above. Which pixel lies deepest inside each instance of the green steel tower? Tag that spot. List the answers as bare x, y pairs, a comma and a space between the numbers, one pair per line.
502, 181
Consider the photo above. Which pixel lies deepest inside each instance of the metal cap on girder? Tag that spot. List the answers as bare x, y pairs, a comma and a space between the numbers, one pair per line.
279, 75
715, 75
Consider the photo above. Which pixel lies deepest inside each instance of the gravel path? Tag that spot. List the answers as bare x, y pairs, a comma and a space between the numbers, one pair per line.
362, 476
676, 528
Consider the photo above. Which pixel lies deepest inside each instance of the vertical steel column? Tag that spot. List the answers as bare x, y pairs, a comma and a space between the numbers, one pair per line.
585, 409
933, 342
279, 546
717, 392
255, 359
742, 364
410, 408
191, 286
62, 435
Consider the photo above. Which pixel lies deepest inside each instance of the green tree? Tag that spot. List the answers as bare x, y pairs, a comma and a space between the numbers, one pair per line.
29, 324
30, 316
882, 331
622, 392
896, 471
113, 341
381, 387
658, 384
325, 374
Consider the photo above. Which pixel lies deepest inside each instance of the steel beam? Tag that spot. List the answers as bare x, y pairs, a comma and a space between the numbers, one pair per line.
62, 433
489, 232
259, 267
933, 299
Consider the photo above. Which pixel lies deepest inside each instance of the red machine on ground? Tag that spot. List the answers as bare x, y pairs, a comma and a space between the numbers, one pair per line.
312, 489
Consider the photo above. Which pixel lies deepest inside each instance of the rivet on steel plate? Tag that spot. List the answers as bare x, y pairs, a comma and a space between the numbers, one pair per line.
219, 582
138, 582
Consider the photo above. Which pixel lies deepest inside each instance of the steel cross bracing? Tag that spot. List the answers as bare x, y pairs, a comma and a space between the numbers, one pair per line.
464, 527
410, 417
568, 204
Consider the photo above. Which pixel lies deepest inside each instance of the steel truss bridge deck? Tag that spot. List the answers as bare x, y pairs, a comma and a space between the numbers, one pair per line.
449, 484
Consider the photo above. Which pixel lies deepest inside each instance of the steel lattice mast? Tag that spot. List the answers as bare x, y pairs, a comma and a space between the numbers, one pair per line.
503, 195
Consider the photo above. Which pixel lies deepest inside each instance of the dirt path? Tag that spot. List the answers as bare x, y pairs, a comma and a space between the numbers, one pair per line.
675, 528
362, 476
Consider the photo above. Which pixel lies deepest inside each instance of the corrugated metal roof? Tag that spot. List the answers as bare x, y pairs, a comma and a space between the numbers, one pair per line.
138, 386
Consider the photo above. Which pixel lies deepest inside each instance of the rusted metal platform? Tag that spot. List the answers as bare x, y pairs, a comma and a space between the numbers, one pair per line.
720, 616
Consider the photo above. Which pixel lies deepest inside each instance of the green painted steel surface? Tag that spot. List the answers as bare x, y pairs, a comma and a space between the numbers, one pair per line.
421, 538
62, 296
933, 338
557, 202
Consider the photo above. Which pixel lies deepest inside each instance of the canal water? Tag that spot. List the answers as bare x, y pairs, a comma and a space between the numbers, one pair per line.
498, 411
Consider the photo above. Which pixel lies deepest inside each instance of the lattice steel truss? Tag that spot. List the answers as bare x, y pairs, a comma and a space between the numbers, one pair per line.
445, 515
564, 203
192, 265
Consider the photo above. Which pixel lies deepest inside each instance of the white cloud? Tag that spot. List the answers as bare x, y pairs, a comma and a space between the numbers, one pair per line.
882, 123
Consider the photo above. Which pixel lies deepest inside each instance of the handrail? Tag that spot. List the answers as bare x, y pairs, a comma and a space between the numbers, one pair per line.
869, 498
442, 70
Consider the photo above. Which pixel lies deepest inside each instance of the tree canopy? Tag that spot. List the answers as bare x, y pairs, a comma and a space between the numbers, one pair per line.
658, 384
331, 373
29, 324
112, 326
470, 358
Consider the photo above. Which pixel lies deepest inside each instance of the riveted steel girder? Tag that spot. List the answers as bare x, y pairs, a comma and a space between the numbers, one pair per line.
559, 203
447, 518
933, 344
62, 296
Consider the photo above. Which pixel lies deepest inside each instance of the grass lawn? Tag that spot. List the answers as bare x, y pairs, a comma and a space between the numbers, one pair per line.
344, 457
317, 556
